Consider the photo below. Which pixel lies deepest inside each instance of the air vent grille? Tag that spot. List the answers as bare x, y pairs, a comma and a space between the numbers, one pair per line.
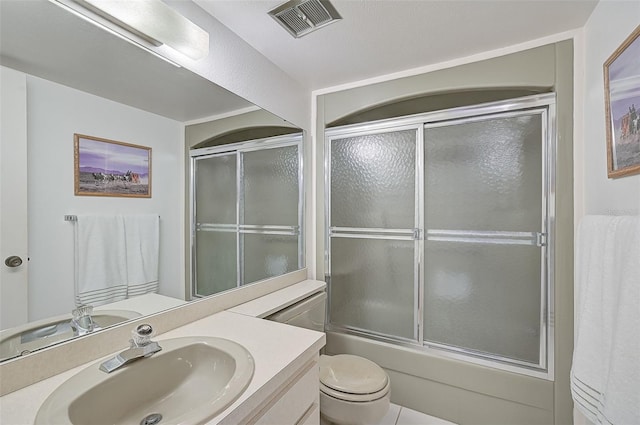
317, 14
293, 20
300, 17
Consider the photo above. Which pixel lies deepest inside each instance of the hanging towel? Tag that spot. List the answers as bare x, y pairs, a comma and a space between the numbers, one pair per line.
142, 237
605, 375
100, 260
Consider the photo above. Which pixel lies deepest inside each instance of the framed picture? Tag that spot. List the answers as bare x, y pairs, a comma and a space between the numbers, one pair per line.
109, 168
622, 107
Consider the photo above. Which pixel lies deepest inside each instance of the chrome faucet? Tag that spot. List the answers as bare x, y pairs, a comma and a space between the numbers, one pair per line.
141, 346
82, 323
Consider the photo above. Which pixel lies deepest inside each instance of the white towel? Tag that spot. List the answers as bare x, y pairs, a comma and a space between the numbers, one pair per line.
605, 375
100, 260
142, 236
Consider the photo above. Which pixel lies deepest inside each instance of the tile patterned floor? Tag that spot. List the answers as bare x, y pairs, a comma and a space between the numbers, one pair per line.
398, 415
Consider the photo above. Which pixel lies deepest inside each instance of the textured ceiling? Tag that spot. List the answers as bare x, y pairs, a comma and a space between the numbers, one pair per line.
380, 37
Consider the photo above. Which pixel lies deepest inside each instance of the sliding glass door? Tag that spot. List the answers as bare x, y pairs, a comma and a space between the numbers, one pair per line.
438, 230
372, 227
247, 212
483, 239
215, 200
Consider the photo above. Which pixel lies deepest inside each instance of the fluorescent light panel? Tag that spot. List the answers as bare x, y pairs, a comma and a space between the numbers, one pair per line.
148, 23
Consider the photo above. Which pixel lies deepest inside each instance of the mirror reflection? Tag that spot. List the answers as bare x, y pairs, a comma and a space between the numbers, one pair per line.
62, 76
247, 208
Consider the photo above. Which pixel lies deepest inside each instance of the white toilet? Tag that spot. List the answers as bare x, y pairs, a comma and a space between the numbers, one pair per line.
353, 390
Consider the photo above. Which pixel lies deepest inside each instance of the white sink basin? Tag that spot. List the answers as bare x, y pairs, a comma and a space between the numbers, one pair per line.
42, 333
189, 382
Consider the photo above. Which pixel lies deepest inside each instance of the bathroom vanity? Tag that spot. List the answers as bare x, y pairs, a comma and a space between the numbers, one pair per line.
283, 389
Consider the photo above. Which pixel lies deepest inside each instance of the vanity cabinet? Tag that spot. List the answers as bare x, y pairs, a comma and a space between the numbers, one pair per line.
284, 389
296, 403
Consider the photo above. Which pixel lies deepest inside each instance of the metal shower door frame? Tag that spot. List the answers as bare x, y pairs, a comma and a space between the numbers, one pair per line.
238, 149
539, 239
543, 104
408, 234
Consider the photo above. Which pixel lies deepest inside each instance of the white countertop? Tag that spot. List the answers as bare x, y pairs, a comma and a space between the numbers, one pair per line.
275, 301
274, 347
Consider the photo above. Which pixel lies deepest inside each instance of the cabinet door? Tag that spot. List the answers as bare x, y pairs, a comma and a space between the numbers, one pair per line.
293, 404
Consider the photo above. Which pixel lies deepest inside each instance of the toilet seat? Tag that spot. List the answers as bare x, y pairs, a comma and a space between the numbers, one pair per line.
338, 395
352, 378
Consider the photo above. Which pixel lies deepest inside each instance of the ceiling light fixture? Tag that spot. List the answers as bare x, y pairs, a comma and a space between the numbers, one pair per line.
147, 24
301, 17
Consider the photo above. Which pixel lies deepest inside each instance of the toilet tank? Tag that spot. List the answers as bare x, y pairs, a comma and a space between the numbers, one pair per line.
308, 313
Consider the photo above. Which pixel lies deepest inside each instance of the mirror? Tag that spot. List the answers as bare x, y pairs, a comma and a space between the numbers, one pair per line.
81, 79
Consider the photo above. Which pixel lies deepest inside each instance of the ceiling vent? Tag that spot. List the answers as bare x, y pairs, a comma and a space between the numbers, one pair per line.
300, 17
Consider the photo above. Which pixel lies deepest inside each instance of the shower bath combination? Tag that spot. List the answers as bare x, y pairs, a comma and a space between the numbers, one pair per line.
440, 231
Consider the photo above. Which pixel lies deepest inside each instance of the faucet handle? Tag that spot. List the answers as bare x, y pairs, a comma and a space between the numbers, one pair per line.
82, 322
142, 334
82, 310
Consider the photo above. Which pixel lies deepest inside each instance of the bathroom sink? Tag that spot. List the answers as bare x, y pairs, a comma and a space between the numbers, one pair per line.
189, 382
42, 333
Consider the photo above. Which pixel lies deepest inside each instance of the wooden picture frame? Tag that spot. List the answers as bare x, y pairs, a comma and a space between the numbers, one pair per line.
104, 167
622, 108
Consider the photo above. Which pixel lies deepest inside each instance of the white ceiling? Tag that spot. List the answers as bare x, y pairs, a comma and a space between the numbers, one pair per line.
44, 40
375, 37
378, 37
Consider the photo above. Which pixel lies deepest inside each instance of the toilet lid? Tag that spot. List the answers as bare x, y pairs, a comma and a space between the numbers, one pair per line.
352, 374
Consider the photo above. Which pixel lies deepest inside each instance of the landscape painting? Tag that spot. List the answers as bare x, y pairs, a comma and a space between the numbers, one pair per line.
622, 102
108, 168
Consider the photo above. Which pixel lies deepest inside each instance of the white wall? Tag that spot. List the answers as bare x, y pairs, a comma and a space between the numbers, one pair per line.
233, 64
609, 25
54, 114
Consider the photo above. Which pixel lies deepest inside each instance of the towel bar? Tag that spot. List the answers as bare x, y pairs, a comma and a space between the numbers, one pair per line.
71, 217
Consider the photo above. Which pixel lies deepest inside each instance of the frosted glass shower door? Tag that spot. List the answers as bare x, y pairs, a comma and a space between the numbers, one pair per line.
440, 232
247, 213
485, 228
270, 217
372, 232
215, 205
